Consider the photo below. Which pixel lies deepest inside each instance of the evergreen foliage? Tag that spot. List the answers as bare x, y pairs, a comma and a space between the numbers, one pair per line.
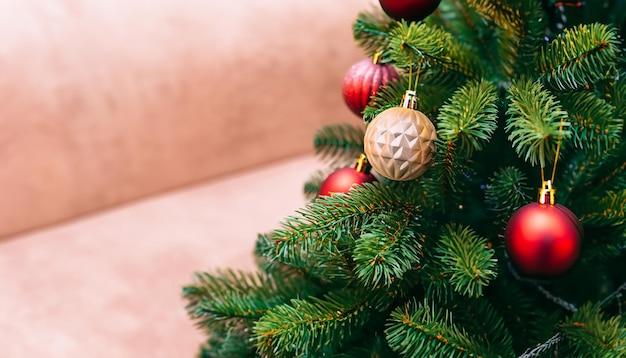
419, 268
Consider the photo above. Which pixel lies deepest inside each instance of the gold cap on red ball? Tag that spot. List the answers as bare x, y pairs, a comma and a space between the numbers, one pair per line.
343, 180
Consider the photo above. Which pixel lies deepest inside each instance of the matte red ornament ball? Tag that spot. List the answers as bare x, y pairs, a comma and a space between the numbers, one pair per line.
363, 80
409, 10
342, 180
543, 240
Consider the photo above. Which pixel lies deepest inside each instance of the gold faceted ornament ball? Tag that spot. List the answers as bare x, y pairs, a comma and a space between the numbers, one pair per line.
400, 142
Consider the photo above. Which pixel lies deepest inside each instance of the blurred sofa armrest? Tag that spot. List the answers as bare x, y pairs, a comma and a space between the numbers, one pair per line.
110, 101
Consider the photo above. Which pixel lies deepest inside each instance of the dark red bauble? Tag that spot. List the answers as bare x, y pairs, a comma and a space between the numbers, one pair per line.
362, 81
342, 180
543, 240
409, 10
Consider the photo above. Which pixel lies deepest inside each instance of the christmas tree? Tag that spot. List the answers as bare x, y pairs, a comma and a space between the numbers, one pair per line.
492, 221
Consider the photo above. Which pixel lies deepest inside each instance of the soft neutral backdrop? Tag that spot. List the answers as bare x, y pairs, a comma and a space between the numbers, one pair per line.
108, 101
109, 285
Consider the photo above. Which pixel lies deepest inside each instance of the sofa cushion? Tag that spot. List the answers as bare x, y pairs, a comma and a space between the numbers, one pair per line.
109, 101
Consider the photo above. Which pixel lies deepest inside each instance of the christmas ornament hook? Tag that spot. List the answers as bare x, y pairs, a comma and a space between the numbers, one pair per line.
409, 99
377, 57
547, 193
361, 163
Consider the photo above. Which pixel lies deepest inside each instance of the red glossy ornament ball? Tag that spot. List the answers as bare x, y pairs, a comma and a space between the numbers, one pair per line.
362, 81
543, 240
342, 180
409, 10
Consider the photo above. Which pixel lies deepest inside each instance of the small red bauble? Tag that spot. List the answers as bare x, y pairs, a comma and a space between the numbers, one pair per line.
363, 80
342, 180
409, 10
543, 240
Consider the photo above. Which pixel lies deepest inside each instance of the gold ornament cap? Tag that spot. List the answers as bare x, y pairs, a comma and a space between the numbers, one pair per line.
547, 193
361, 165
409, 100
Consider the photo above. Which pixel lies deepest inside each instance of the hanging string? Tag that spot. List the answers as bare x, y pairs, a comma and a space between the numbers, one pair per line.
411, 72
546, 193
558, 150
556, 156
417, 75
409, 100
419, 71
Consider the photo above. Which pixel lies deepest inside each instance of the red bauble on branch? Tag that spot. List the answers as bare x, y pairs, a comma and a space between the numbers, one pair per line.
543, 240
342, 180
363, 80
409, 10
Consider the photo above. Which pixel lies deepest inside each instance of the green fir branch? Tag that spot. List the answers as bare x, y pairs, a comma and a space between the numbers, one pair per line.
594, 123
318, 237
469, 118
531, 38
368, 347
488, 331
602, 244
230, 294
579, 56
608, 211
589, 330
527, 322
231, 342
387, 250
227, 303
465, 260
592, 173
443, 181
506, 191
618, 99
323, 266
460, 20
506, 48
423, 330
318, 325
507, 31
345, 212
340, 142
498, 12
320, 256
537, 122
612, 171
387, 96
436, 86
444, 184
418, 42
371, 32
311, 187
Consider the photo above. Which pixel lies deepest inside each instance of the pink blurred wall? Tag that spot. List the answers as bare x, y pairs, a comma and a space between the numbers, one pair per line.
103, 102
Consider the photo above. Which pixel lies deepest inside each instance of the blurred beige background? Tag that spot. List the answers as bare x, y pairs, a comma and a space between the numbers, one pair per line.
107, 101
143, 140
